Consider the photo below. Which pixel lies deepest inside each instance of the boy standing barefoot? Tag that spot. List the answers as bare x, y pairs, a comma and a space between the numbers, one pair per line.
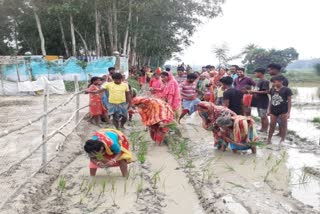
279, 107
261, 98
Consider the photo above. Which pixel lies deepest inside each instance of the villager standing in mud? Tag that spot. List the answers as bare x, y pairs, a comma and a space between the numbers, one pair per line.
189, 95
242, 80
108, 148
261, 99
96, 107
171, 92
275, 70
279, 107
119, 100
232, 98
155, 84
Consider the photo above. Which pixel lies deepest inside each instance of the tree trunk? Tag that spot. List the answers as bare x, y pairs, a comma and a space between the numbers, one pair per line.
98, 40
134, 53
85, 46
43, 48
110, 29
73, 37
115, 24
125, 43
129, 47
63, 37
104, 44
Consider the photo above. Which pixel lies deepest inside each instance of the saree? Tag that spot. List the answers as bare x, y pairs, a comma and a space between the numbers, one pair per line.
153, 112
96, 106
210, 118
117, 141
171, 93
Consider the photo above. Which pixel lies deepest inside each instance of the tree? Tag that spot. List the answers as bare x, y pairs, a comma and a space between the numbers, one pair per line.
222, 53
255, 57
148, 31
317, 68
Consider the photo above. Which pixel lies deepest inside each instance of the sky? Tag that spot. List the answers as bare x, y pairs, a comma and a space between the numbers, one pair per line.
268, 23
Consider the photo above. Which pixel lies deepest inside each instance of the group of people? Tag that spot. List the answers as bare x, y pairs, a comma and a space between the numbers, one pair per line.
223, 100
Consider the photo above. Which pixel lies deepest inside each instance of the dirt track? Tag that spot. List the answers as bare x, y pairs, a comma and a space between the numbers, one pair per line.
194, 178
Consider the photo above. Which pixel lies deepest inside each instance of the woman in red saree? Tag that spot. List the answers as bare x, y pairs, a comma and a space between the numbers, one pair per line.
155, 84
155, 113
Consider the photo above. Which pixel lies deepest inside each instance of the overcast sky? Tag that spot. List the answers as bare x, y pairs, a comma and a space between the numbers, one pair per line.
267, 23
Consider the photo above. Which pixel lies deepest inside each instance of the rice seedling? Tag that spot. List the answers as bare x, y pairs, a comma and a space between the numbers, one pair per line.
113, 191
103, 188
229, 168
126, 182
139, 188
156, 178
61, 185
141, 158
236, 185
269, 158
90, 187
99, 156
305, 176
189, 164
243, 161
81, 200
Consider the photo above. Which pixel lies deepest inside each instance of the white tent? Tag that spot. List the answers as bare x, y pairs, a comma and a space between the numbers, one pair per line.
29, 87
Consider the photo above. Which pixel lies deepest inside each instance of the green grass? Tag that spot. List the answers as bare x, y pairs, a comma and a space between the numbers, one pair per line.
316, 120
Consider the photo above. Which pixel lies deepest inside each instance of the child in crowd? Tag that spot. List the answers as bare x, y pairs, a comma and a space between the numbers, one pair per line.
246, 100
261, 99
119, 100
97, 109
279, 107
155, 84
133, 94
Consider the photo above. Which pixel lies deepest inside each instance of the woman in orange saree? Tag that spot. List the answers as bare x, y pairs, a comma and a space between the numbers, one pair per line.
155, 113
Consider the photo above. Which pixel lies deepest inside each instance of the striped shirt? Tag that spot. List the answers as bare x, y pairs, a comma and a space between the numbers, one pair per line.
188, 90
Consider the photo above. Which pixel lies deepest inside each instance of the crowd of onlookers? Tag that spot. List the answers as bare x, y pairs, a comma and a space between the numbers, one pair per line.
111, 95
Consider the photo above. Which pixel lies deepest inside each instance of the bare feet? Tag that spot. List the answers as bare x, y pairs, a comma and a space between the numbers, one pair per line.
278, 134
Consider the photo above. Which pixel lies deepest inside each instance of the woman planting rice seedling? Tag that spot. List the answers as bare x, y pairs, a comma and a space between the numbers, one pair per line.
155, 114
238, 131
108, 148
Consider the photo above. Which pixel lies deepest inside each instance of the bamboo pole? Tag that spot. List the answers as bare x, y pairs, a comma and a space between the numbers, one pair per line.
45, 123
18, 75
29, 123
76, 87
2, 81
51, 135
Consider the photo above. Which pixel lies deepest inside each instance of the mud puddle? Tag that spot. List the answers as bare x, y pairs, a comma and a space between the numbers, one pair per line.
304, 186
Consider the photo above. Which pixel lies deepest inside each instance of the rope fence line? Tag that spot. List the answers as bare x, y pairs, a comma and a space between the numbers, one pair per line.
12, 195
13, 190
29, 123
51, 135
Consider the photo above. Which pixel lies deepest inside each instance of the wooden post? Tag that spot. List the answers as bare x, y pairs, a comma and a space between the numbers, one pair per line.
2, 80
45, 123
76, 87
18, 75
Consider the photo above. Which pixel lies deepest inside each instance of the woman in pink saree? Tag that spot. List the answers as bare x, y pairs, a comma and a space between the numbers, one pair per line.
171, 92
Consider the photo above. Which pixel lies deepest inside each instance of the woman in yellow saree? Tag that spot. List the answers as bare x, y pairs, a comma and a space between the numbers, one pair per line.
108, 148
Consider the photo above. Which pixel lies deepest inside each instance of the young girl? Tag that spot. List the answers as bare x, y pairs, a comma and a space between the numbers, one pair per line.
279, 107
246, 100
131, 110
96, 106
